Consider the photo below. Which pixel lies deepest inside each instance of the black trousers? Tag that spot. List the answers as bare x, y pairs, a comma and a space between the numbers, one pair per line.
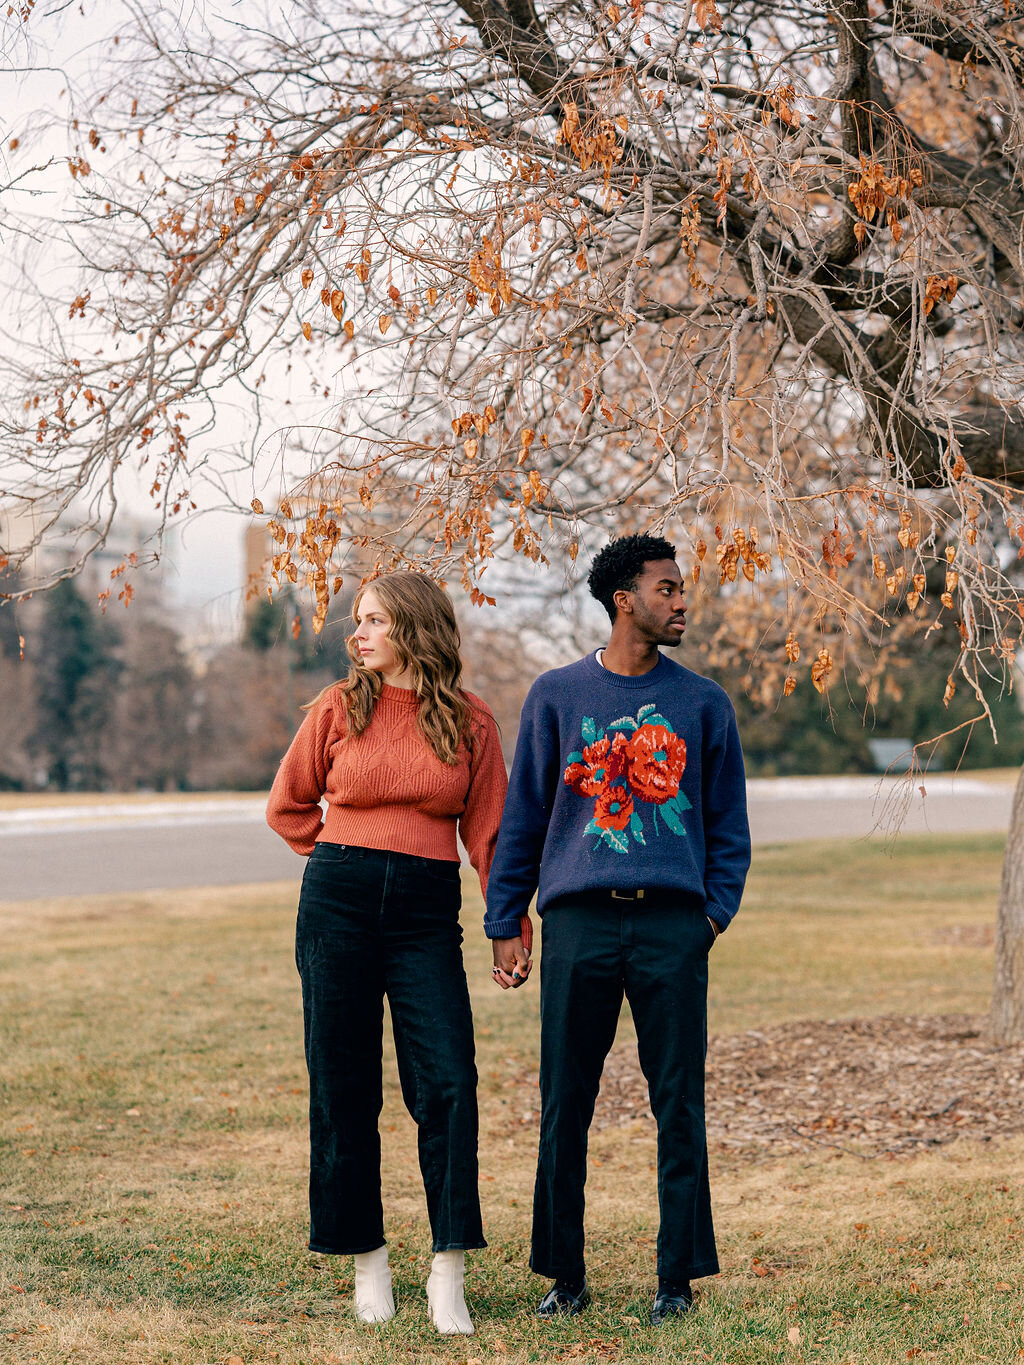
373, 923
595, 950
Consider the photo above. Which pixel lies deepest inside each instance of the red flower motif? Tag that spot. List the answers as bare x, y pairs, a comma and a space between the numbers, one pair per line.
604, 762
655, 760
614, 807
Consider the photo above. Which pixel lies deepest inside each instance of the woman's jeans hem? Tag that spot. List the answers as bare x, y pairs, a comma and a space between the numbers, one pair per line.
344, 1251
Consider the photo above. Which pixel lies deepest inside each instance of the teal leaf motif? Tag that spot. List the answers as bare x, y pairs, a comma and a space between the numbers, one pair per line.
680, 802
671, 817
617, 839
574, 757
636, 828
646, 710
589, 730
657, 719
593, 828
623, 723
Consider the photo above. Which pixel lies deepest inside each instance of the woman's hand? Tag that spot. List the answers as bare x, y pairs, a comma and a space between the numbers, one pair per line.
512, 963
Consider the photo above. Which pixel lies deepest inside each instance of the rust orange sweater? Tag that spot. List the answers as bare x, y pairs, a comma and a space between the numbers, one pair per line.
386, 788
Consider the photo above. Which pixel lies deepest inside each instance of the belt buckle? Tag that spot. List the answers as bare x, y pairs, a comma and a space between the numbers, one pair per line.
627, 895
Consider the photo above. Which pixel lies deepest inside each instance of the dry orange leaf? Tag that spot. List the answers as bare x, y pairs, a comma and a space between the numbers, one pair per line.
820, 669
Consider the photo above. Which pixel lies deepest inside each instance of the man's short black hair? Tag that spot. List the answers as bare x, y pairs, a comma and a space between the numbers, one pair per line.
621, 562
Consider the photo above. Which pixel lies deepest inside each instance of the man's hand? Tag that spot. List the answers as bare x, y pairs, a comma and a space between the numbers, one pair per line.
512, 962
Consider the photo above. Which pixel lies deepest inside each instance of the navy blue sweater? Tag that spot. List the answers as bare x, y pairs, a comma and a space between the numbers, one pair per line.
622, 782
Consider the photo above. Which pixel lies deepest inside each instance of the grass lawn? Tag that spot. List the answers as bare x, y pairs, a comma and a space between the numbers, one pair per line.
152, 1146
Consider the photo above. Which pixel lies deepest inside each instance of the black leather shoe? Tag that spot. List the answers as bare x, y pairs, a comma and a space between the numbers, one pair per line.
671, 1303
564, 1300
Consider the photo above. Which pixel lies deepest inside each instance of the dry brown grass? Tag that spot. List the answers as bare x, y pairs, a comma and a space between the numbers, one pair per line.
153, 1149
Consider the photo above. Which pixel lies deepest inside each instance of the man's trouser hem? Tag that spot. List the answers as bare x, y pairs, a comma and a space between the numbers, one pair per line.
573, 1275
697, 1272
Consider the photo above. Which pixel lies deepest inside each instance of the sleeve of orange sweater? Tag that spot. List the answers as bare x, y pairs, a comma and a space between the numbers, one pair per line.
488, 782
293, 809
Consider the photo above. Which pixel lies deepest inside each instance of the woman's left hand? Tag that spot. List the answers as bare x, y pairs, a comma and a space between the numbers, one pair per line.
512, 963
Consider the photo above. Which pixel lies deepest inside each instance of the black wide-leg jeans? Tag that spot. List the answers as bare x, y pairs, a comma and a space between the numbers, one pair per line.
373, 923
594, 952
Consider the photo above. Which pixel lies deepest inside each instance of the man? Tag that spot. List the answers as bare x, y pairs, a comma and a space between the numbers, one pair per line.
626, 811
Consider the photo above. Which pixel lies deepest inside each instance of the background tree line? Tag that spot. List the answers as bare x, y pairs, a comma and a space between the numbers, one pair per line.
105, 702
112, 702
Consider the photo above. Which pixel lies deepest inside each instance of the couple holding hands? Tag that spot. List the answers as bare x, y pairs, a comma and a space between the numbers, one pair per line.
625, 812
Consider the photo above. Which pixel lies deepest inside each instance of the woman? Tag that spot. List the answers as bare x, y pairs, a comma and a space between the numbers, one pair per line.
403, 756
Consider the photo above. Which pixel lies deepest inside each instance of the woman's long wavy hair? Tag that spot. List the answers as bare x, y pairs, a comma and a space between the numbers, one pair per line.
425, 638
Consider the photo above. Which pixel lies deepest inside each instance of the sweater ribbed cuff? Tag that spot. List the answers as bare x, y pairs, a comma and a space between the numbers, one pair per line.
503, 928
721, 917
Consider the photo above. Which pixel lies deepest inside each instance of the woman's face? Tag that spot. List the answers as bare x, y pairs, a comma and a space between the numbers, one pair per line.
372, 625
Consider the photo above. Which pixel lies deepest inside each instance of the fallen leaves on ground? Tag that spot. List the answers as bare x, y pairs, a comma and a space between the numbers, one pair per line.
593, 1348
889, 1085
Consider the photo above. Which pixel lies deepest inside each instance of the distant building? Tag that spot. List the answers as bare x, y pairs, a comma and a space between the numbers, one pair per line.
52, 549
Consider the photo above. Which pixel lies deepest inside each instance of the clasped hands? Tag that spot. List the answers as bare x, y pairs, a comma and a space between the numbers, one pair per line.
512, 963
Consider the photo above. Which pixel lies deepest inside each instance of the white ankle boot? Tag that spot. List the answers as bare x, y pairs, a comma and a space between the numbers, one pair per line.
375, 1301
446, 1294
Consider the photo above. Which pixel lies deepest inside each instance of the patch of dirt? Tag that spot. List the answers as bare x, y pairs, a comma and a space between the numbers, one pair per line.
886, 1086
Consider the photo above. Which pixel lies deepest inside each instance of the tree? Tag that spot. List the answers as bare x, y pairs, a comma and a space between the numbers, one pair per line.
18, 713
149, 741
248, 711
276, 624
752, 271
76, 674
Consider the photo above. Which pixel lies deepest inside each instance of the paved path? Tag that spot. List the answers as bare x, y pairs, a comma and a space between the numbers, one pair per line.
790, 808
140, 845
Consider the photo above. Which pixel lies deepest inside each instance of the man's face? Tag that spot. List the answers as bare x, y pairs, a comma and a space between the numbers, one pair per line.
659, 607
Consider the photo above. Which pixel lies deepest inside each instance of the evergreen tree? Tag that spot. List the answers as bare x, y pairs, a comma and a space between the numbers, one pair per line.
76, 673
269, 625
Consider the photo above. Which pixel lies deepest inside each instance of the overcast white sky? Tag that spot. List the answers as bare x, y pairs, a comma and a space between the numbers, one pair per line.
204, 558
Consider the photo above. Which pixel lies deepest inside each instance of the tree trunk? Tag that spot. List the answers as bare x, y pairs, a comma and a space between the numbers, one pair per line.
1008, 987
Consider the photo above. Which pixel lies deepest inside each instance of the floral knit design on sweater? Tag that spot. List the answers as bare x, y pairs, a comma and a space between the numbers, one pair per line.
633, 759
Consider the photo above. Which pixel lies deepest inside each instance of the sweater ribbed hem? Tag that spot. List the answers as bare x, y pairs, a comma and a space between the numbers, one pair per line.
394, 828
